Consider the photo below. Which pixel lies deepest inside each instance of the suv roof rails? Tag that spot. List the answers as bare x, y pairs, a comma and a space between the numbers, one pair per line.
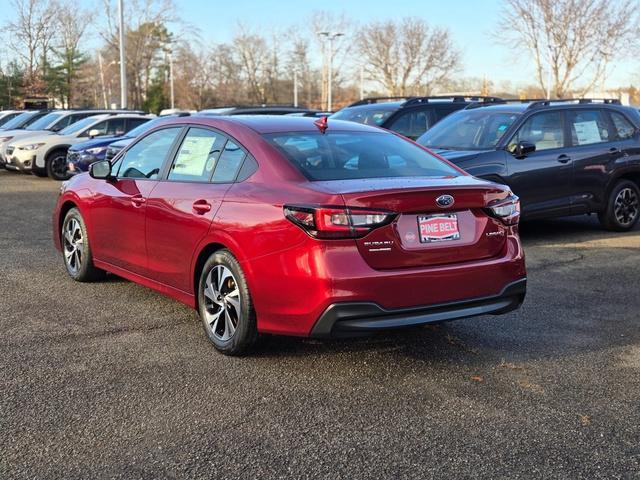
502, 101
548, 102
371, 100
453, 98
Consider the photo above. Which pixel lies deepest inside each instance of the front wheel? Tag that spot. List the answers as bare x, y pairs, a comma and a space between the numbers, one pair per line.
76, 250
56, 165
225, 305
623, 207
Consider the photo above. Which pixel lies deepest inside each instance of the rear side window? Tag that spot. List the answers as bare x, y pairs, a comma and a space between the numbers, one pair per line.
411, 124
197, 156
588, 126
624, 128
229, 163
345, 155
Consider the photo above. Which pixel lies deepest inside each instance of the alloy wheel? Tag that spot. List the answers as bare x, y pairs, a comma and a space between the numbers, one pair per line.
59, 166
625, 207
73, 243
223, 308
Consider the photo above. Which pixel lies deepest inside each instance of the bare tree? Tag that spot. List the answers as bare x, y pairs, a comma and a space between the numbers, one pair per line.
252, 53
407, 57
30, 33
575, 39
72, 24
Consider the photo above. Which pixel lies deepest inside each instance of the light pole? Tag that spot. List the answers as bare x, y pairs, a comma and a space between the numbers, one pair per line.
123, 65
331, 36
295, 87
171, 78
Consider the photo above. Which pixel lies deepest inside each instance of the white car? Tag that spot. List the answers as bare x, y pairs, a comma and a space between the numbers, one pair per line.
46, 153
6, 115
52, 122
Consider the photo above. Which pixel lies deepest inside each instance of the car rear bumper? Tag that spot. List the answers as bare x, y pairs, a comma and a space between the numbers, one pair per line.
352, 318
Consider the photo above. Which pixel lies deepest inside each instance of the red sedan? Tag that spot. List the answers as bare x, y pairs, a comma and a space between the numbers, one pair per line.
292, 226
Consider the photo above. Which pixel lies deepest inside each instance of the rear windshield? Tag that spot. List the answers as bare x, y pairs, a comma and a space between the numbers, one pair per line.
478, 129
366, 115
345, 155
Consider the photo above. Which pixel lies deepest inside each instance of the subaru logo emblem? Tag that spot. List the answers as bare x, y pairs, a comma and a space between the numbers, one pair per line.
445, 201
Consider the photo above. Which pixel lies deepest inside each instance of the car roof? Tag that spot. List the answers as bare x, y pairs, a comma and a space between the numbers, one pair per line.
379, 106
275, 123
530, 106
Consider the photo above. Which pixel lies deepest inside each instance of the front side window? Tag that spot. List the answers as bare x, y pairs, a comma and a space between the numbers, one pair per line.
229, 163
588, 127
477, 129
544, 130
115, 126
145, 158
100, 127
366, 115
411, 124
197, 156
353, 155
624, 129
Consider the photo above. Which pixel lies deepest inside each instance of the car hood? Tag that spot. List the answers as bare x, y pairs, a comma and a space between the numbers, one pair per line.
456, 156
122, 143
96, 142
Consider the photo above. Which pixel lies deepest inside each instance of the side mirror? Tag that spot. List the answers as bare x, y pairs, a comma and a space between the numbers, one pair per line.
523, 149
94, 132
100, 170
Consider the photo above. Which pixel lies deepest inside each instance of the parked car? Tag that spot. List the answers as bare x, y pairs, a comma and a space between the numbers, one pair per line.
115, 147
566, 157
16, 125
46, 154
6, 115
80, 156
294, 226
408, 116
258, 110
50, 123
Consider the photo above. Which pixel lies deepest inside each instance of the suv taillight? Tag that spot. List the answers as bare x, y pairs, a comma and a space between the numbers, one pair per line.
336, 222
506, 210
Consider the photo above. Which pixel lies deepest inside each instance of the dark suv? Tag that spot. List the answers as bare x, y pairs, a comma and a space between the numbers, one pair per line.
561, 157
408, 116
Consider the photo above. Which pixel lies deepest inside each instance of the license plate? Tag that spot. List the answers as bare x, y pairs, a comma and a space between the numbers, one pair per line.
438, 228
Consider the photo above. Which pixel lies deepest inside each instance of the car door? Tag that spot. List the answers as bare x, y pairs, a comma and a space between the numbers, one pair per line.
542, 179
181, 208
595, 150
119, 207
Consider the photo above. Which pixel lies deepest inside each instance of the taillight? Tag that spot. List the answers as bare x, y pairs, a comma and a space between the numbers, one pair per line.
506, 210
337, 222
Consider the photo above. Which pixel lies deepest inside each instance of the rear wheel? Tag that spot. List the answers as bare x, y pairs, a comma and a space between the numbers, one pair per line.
225, 305
623, 207
76, 250
56, 165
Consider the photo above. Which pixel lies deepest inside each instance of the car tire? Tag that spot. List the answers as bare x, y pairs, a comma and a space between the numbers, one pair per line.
623, 207
225, 305
76, 249
56, 165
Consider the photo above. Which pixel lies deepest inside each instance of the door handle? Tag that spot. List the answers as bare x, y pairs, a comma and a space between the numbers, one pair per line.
201, 207
564, 158
138, 200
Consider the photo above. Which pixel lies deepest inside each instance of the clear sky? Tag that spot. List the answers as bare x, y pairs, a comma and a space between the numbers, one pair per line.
470, 22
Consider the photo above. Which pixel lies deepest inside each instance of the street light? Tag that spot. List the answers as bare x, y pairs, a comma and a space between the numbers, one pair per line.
123, 66
331, 36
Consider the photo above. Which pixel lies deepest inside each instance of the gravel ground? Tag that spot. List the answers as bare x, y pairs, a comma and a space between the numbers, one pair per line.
112, 380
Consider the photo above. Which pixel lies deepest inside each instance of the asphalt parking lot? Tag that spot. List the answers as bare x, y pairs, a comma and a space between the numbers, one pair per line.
112, 380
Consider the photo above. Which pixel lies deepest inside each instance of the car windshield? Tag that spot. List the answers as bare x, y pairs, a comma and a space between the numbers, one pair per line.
43, 122
140, 129
469, 130
366, 115
348, 155
76, 127
20, 121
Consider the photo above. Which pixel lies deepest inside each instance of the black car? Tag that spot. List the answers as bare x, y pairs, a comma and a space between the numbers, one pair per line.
258, 110
408, 116
561, 157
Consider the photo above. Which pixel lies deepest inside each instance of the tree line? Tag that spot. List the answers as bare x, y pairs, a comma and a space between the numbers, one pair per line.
51, 51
